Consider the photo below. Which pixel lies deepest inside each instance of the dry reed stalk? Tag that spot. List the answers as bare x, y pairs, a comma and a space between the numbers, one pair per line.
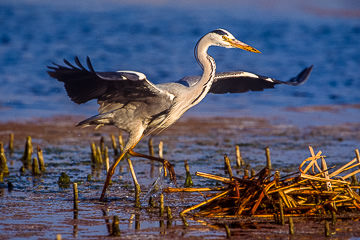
27, 153
151, 147
239, 160
299, 195
340, 170
93, 153
315, 163
214, 177
281, 208
173, 190
291, 226
121, 142
35, 167
205, 202
114, 145
357, 153
184, 220
351, 174
3, 161
227, 230
325, 173
161, 149
312, 162
107, 160
268, 159
161, 204
102, 146
41, 159
11, 143
76, 196
322, 179
246, 174
99, 156
168, 213
228, 166
188, 179
253, 173
327, 229
115, 230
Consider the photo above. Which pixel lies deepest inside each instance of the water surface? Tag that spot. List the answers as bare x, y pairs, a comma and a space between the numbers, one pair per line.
158, 39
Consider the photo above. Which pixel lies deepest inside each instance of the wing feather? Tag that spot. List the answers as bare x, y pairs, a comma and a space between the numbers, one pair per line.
84, 84
239, 82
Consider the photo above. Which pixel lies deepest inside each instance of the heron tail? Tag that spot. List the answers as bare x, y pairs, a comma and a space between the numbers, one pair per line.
97, 120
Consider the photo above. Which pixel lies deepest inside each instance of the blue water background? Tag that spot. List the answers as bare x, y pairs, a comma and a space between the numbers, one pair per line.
158, 38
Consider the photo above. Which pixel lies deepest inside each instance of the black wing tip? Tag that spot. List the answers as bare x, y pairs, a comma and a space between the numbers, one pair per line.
56, 67
302, 77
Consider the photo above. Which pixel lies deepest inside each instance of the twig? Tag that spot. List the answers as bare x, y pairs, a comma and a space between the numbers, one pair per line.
214, 177
205, 202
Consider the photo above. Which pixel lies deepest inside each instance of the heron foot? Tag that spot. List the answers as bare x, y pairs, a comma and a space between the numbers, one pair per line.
170, 168
167, 165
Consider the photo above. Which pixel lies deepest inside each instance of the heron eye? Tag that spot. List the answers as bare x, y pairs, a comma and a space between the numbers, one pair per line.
224, 37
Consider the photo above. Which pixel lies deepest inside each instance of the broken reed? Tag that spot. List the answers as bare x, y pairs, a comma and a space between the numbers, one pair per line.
239, 160
11, 143
228, 166
3, 161
115, 229
76, 196
35, 164
302, 193
38, 165
26, 158
268, 160
114, 145
100, 153
107, 160
161, 210
161, 149
35, 167
40, 159
188, 179
291, 226
151, 147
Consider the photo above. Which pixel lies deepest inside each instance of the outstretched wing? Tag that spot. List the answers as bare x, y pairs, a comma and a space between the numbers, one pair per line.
238, 82
84, 84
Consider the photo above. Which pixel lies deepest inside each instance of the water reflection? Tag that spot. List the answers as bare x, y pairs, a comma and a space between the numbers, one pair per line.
105, 213
75, 226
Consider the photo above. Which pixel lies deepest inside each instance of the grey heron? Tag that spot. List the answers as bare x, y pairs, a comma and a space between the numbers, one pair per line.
129, 101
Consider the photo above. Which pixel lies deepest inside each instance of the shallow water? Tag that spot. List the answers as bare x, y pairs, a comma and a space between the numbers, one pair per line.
158, 39
37, 208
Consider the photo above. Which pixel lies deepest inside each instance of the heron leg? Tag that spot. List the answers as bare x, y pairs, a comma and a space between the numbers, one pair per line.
167, 164
136, 183
111, 170
110, 173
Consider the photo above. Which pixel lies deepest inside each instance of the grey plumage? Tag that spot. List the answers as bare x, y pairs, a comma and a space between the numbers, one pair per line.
129, 101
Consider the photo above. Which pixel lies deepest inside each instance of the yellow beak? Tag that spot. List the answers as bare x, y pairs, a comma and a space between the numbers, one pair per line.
238, 44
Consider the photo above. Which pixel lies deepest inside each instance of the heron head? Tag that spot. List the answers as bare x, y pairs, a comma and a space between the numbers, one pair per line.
222, 38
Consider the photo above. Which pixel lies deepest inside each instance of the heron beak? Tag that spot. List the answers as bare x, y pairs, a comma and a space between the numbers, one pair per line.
238, 44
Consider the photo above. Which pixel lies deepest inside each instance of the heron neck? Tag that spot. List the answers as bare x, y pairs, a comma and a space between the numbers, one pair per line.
207, 63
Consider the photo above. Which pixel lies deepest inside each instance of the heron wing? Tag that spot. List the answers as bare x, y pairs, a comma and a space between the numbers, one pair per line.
84, 84
239, 82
